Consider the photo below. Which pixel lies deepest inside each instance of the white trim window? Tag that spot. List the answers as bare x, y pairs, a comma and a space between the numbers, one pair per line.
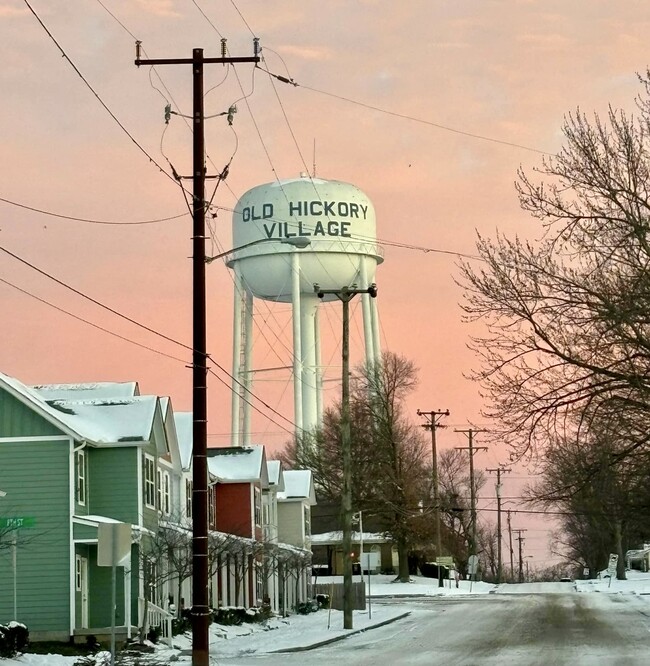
81, 477
166, 494
258, 507
189, 488
149, 481
78, 573
307, 520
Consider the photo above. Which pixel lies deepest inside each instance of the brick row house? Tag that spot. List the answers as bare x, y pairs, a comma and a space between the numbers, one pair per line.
76, 458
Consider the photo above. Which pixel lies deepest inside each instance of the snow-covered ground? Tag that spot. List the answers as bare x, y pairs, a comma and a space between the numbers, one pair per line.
305, 630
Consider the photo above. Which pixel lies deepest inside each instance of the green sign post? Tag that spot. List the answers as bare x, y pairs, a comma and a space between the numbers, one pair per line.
14, 524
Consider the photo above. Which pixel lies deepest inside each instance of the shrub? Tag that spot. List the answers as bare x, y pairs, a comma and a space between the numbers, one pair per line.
323, 600
154, 634
180, 625
14, 638
306, 607
237, 615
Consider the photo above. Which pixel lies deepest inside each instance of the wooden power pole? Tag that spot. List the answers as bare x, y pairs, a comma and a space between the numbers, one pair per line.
470, 432
433, 423
498, 471
200, 570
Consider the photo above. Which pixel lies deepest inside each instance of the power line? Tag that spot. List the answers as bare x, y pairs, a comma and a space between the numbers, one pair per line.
422, 121
94, 92
90, 323
92, 300
140, 325
87, 220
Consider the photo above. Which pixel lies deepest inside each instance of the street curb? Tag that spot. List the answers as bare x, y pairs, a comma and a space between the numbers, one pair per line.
335, 639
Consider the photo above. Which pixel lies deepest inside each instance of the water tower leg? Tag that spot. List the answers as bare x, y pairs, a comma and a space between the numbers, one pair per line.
297, 342
235, 427
374, 317
319, 367
308, 308
370, 320
247, 376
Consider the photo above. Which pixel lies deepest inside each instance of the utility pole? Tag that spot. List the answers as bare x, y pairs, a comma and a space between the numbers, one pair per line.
470, 432
521, 559
345, 295
200, 571
499, 470
512, 562
433, 423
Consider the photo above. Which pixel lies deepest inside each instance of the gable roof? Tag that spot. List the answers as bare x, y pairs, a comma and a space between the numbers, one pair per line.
185, 434
112, 420
107, 421
276, 474
87, 391
298, 484
238, 464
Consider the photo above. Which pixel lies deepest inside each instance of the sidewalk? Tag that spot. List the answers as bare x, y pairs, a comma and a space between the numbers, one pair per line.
297, 633
344, 634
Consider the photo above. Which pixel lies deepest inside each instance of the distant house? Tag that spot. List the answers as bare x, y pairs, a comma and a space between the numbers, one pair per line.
73, 457
294, 528
638, 559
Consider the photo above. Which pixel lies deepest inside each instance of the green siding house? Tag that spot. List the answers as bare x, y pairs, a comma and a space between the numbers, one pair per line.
73, 457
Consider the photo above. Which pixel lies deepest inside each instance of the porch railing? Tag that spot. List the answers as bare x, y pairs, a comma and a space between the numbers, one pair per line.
157, 617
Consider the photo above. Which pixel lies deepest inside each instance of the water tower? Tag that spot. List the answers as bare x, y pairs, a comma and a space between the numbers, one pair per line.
291, 235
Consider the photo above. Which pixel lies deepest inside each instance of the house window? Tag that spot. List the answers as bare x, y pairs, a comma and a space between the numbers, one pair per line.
166, 494
162, 492
258, 507
307, 516
149, 482
81, 477
212, 499
259, 584
78, 575
188, 497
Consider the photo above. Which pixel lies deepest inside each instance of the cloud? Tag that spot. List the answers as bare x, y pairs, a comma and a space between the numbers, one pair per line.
9, 11
548, 41
306, 52
159, 7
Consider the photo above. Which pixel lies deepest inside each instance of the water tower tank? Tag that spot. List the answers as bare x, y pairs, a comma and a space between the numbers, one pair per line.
336, 217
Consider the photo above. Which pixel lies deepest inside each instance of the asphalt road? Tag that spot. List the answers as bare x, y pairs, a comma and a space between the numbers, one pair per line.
497, 630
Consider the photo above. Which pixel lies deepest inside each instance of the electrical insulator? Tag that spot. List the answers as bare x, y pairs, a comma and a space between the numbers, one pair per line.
256, 46
224, 48
168, 113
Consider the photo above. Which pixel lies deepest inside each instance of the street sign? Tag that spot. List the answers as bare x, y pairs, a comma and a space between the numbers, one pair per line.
445, 561
472, 565
113, 544
16, 523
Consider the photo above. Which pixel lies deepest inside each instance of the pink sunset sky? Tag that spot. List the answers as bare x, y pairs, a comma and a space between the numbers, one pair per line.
445, 74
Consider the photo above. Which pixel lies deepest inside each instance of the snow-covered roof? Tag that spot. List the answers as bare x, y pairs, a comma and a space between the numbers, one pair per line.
112, 420
238, 464
184, 432
276, 474
298, 484
89, 391
329, 538
106, 421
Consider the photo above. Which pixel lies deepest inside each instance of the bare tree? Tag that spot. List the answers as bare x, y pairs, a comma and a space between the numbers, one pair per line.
454, 482
390, 476
567, 317
602, 499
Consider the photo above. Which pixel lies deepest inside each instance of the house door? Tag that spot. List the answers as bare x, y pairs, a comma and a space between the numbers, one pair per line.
82, 589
